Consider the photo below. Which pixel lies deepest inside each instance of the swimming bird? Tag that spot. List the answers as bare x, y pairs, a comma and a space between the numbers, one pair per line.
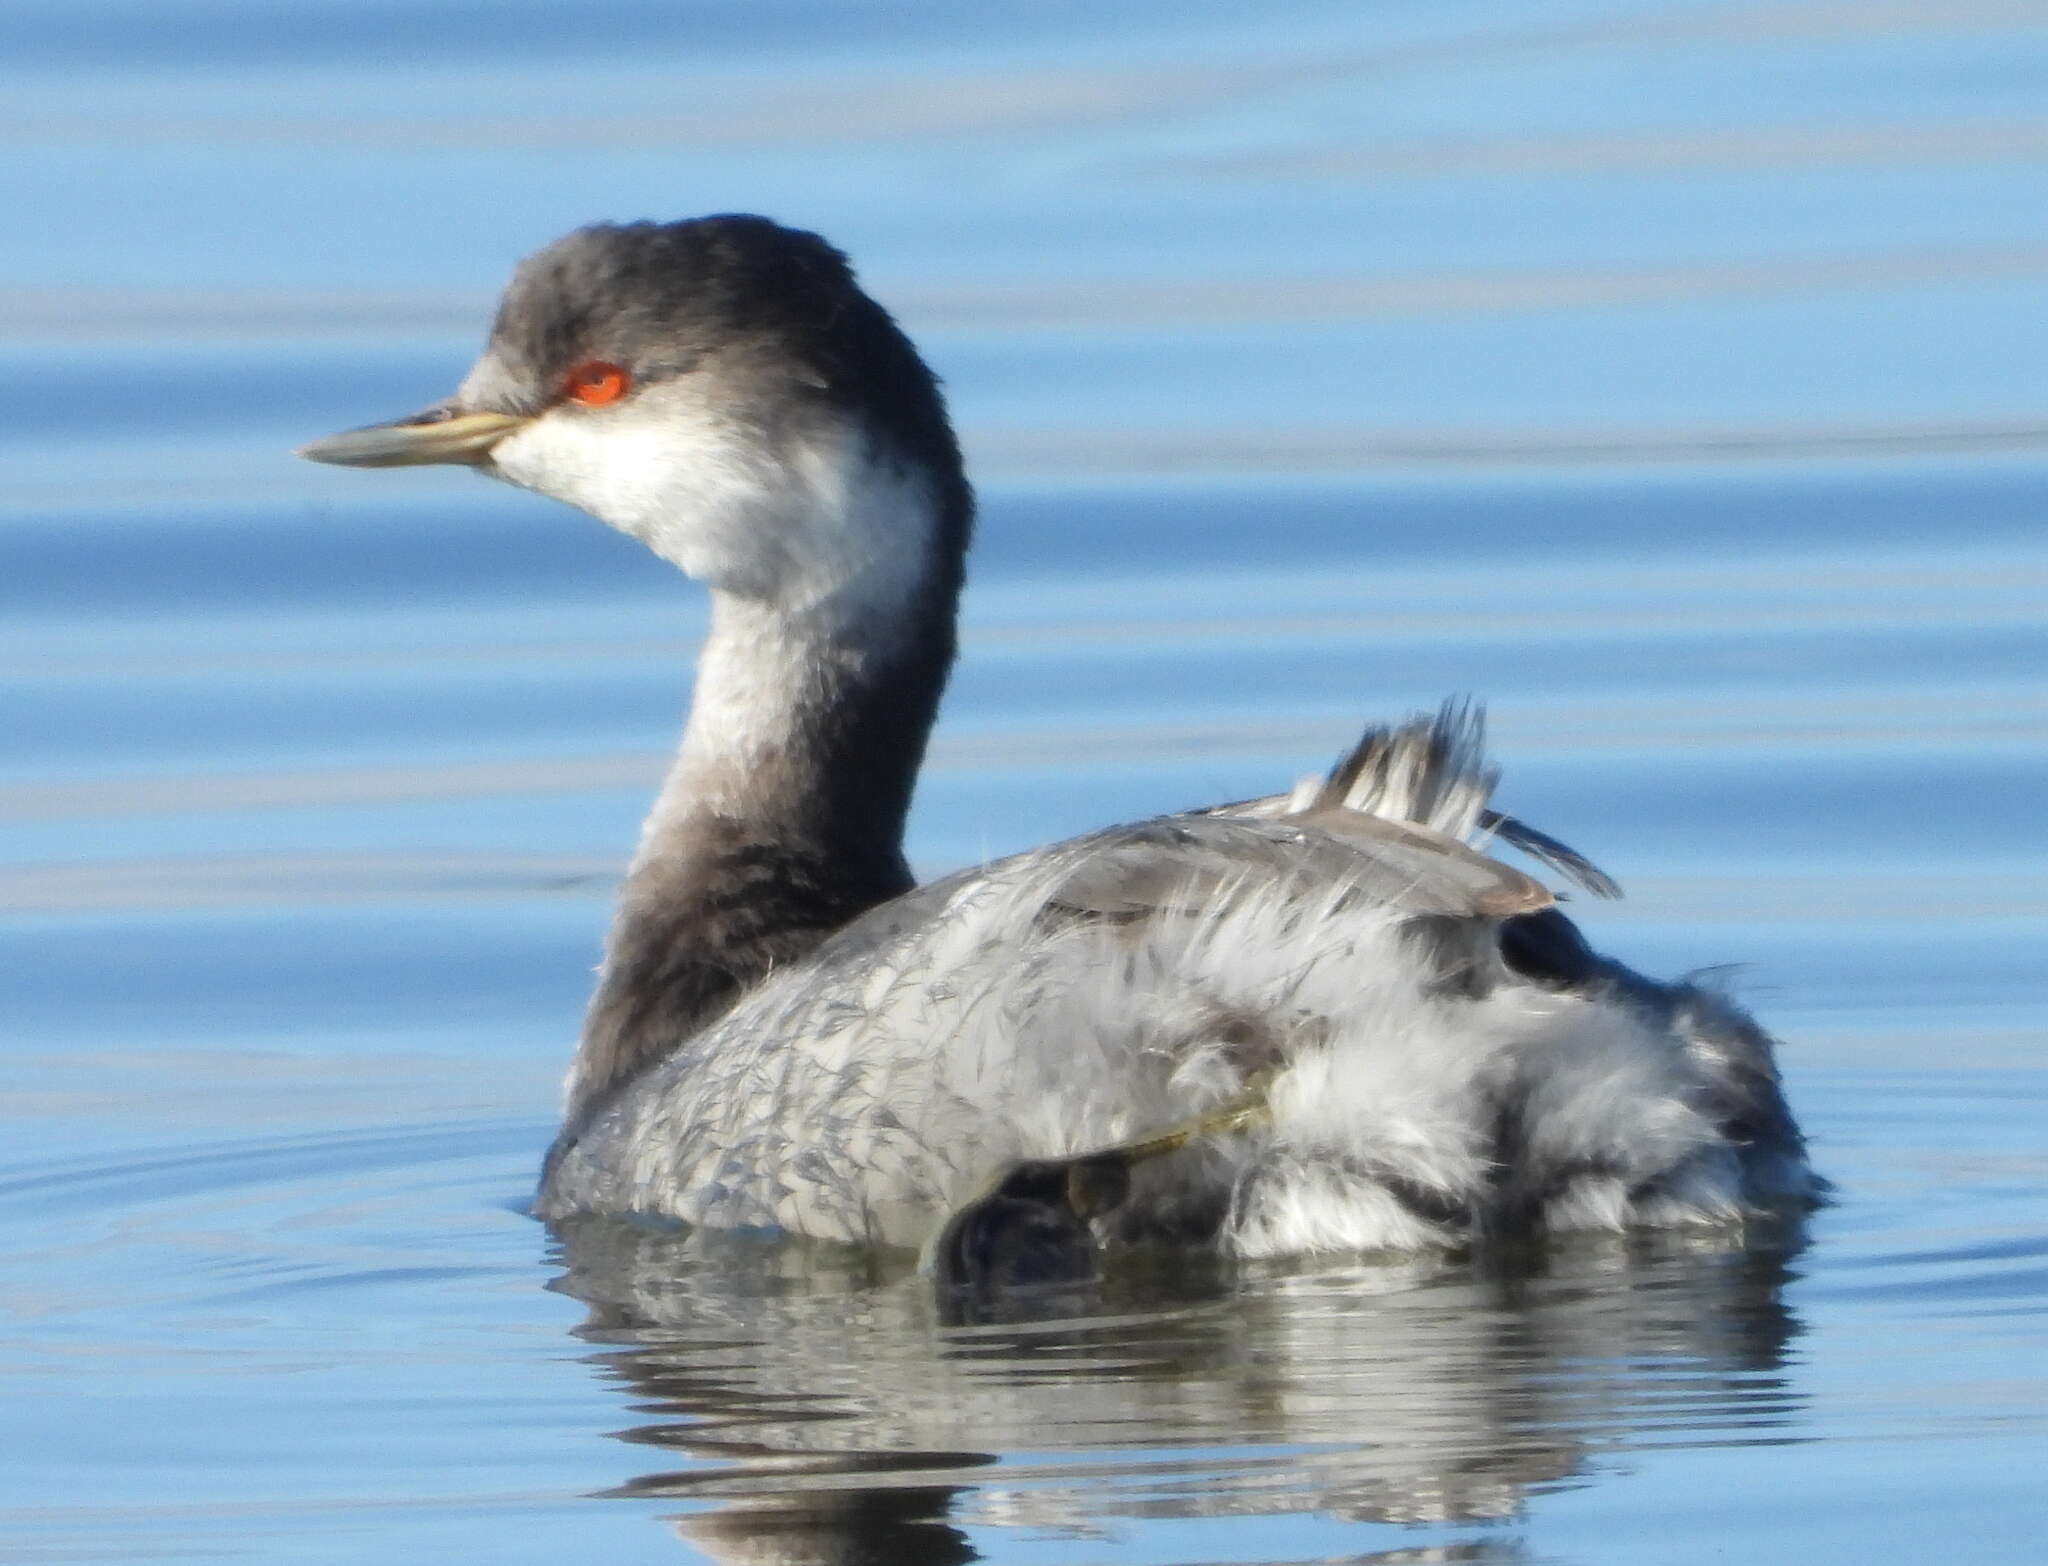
1321, 1020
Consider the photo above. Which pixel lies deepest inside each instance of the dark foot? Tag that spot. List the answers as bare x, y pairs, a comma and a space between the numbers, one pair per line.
1034, 1222
1032, 1225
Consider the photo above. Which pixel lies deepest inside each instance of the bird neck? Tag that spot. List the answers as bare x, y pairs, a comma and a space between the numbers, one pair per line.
803, 743
782, 817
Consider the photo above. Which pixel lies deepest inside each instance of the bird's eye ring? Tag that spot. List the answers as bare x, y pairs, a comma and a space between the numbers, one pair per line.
596, 382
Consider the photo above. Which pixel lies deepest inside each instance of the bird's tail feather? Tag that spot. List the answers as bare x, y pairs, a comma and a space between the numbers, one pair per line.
1432, 771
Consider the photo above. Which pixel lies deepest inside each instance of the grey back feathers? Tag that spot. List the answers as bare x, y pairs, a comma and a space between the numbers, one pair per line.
1429, 1091
1393, 818
1441, 779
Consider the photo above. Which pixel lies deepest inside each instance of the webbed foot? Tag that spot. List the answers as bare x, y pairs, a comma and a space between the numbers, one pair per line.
1034, 1223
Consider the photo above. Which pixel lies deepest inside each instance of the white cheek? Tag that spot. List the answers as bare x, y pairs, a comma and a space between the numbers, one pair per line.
812, 524
682, 487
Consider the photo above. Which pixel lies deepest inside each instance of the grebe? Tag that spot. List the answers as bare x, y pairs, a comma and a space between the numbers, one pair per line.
1318, 1021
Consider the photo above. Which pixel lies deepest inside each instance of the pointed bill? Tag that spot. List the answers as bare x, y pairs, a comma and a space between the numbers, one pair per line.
437, 436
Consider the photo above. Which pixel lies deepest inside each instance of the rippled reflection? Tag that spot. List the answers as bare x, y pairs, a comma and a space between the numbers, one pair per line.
821, 1399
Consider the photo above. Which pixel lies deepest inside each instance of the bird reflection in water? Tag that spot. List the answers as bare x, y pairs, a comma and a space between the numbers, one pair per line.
833, 1415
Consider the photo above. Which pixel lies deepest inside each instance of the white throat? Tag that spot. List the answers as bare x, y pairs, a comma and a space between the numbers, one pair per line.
763, 678
810, 521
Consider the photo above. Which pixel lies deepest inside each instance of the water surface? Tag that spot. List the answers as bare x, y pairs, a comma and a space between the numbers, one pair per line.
1665, 373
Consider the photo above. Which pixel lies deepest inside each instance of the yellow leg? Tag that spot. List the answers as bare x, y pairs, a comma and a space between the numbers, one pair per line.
1248, 1110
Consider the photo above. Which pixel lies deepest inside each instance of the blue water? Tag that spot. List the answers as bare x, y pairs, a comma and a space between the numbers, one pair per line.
1668, 374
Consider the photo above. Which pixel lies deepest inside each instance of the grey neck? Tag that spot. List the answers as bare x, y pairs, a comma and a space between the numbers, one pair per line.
781, 819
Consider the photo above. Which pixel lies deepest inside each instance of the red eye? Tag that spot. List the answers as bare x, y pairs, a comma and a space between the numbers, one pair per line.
596, 382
